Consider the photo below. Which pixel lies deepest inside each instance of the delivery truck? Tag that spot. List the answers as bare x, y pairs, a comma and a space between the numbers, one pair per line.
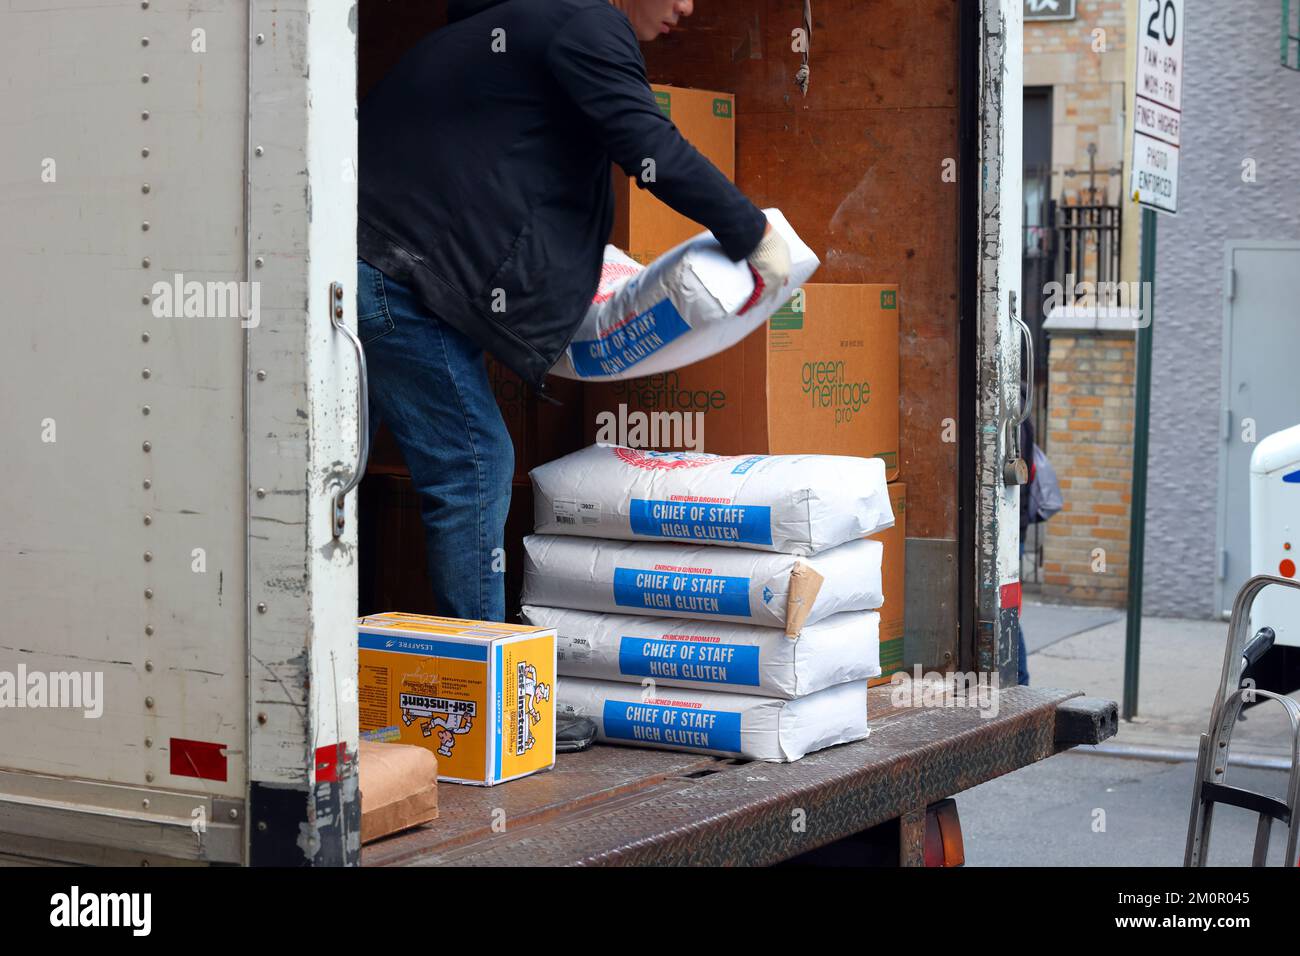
182, 558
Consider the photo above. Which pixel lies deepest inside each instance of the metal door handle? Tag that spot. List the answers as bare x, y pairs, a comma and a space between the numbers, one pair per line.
1015, 471
1028, 336
363, 408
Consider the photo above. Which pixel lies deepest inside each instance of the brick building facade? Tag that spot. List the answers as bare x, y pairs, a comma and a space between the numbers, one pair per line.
1090, 433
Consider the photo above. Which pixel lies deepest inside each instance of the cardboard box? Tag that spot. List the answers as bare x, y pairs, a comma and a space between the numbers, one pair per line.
475, 693
399, 788
892, 571
644, 227
821, 377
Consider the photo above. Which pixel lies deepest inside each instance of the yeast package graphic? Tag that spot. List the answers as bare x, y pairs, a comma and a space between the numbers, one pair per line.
478, 694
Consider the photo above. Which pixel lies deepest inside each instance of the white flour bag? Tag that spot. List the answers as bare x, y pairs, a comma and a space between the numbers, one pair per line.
721, 584
798, 504
714, 655
680, 309
727, 725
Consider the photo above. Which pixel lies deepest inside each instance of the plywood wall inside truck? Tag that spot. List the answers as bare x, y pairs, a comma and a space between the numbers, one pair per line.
857, 166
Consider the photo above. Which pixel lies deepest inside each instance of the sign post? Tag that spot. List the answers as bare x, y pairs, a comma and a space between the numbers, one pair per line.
1157, 131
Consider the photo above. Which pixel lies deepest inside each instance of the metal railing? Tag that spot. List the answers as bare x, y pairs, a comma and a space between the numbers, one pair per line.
1088, 243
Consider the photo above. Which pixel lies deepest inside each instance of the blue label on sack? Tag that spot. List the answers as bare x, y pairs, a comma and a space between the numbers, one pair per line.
748, 524
688, 660
681, 593
747, 464
635, 340
673, 726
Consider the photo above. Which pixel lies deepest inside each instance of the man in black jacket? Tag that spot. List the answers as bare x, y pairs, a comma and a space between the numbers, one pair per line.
484, 206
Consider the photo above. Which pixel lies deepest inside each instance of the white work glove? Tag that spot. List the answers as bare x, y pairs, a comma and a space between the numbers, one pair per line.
770, 265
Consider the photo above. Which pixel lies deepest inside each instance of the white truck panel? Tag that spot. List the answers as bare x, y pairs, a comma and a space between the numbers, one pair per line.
1275, 531
84, 540
204, 121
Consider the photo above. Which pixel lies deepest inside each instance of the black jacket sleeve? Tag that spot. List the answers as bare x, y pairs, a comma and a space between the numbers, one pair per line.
596, 60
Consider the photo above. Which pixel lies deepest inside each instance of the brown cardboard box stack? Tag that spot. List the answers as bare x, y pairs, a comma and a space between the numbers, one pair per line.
821, 377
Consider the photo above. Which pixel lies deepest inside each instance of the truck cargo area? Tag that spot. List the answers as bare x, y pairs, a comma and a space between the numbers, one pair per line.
888, 81
858, 169
212, 582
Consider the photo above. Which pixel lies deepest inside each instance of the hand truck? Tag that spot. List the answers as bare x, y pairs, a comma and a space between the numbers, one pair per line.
1211, 786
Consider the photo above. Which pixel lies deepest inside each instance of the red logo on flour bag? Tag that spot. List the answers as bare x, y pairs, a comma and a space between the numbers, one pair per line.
665, 460
613, 273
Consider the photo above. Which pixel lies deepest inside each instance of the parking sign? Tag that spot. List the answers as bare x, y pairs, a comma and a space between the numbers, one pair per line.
1158, 104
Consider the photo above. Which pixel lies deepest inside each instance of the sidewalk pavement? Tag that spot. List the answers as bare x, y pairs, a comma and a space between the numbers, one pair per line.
1083, 648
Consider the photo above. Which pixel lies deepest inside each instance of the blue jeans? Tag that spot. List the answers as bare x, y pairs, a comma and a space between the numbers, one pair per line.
428, 384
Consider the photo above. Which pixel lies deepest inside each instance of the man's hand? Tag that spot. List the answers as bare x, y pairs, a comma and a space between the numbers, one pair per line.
770, 265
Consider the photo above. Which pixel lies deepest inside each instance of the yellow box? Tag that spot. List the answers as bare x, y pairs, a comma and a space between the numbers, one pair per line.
476, 693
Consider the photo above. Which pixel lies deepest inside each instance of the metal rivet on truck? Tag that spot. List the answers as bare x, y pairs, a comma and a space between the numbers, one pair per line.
145, 152
148, 519
148, 630
144, 410
145, 262
148, 556
144, 41
144, 114
261, 608
144, 78
148, 593
148, 702
147, 484
144, 188
259, 151
147, 446
261, 375
259, 262
261, 38
145, 373
148, 741
144, 336
145, 300
148, 777
148, 666
262, 718
144, 227
261, 492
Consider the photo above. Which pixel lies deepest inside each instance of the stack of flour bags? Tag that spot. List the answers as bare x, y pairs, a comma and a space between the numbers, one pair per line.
722, 605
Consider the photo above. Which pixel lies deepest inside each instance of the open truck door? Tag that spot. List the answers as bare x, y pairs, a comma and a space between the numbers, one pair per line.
179, 198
